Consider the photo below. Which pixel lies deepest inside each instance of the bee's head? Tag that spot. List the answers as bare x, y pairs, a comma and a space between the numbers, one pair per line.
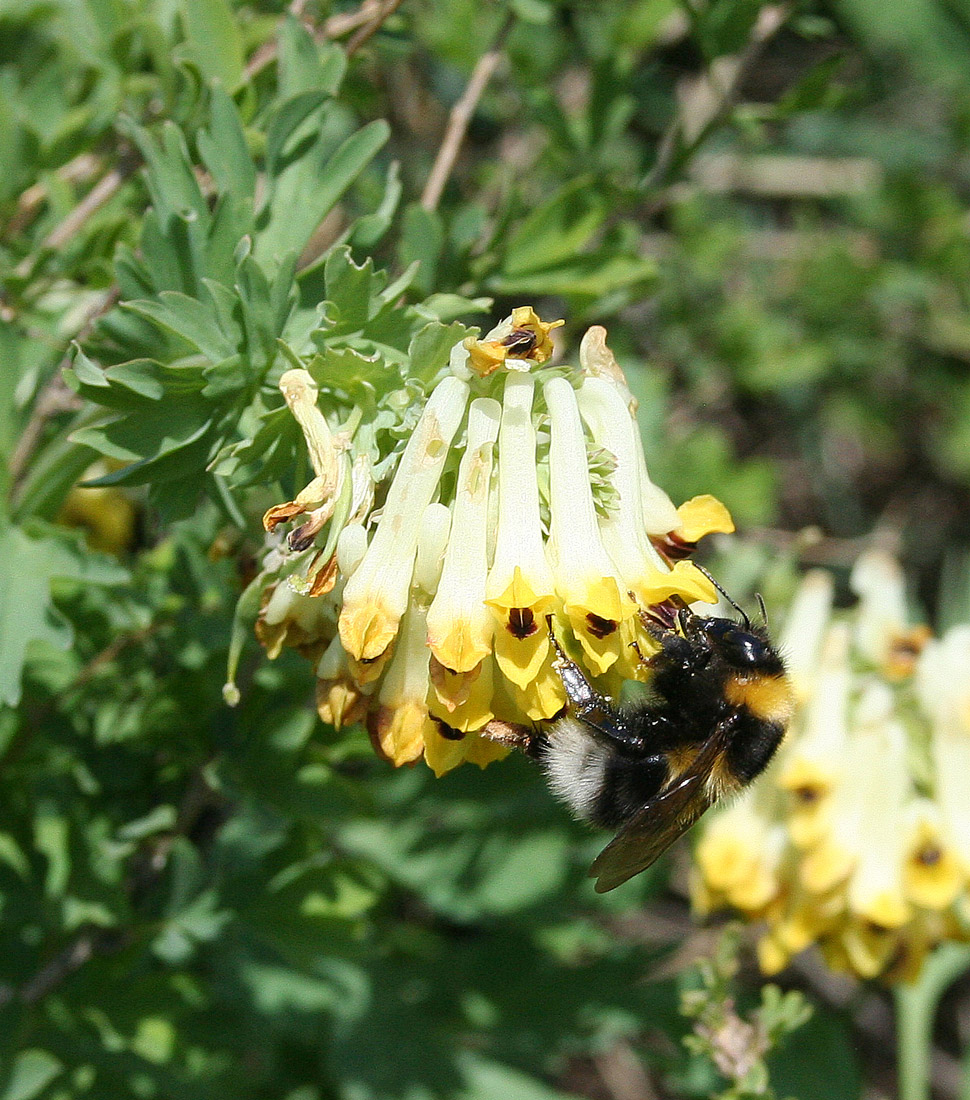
736, 643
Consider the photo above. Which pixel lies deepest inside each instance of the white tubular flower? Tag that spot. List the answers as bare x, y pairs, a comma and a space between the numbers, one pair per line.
400, 724
432, 543
459, 623
801, 638
876, 893
943, 685
520, 590
426, 605
812, 762
376, 595
624, 532
292, 619
883, 634
597, 361
593, 594
863, 845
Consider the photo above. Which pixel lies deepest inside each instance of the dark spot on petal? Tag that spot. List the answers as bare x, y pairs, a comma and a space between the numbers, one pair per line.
673, 547
807, 795
449, 733
600, 628
929, 855
522, 623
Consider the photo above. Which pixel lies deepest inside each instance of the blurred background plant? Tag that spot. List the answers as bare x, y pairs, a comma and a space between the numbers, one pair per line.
766, 204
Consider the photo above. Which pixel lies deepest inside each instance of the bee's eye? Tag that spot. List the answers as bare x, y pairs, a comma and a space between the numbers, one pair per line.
734, 644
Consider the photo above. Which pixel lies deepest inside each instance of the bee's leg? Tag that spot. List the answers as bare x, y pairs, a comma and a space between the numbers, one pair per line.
595, 710
635, 646
515, 736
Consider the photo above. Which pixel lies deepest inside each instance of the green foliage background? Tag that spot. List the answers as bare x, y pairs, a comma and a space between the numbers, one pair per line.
205, 902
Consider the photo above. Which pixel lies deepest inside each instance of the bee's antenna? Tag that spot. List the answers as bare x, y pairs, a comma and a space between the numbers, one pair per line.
761, 604
737, 607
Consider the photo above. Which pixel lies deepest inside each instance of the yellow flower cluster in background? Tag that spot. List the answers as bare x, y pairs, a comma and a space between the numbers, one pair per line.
858, 838
521, 492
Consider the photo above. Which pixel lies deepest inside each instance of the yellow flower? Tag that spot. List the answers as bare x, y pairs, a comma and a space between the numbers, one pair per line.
812, 762
340, 698
520, 340
430, 614
463, 700
376, 595
883, 635
703, 515
594, 598
873, 872
932, 875
739, 854
459, 623
289, 618
400, 724
105, 514
520, 590
642, 570
943, 685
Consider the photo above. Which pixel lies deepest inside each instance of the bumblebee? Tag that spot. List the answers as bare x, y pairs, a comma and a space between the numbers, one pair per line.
718, 710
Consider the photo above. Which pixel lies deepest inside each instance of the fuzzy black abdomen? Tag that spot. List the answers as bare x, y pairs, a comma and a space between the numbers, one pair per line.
628, 784
752, 745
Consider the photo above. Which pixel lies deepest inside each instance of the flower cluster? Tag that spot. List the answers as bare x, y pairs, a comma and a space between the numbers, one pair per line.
431, 545
858, 839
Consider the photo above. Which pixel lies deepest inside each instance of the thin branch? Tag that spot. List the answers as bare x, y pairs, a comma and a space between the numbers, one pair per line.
366, 32
84, 167
56, 397
369, 16
460, 118
706, 99
99, 195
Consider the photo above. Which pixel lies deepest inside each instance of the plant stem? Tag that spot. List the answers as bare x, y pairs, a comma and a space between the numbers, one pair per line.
916, 1006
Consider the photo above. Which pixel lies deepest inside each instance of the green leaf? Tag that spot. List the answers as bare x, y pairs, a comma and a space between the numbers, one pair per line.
591, 275
192, 320
224, 150
309, 189
28, 566
430, 348
352, 292
160, 447
490, 1080
305, 66
422, 241
369, 229
557, 230
214, 40
33, 1070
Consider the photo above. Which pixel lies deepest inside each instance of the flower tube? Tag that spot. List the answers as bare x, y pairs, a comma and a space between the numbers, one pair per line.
520, 590
459, 623
641, 568
593, 595
376, 595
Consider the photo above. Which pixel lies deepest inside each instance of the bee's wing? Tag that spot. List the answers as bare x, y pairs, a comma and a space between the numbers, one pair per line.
668, 815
